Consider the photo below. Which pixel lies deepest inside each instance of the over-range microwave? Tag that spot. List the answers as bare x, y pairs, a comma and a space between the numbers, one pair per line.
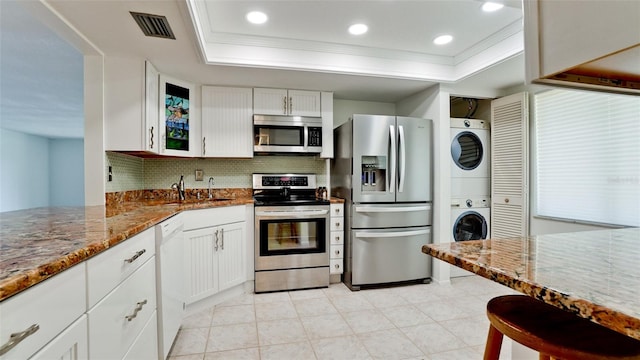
287, 134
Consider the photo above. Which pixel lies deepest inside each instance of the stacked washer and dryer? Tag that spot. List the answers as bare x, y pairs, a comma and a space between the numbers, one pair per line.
470, 182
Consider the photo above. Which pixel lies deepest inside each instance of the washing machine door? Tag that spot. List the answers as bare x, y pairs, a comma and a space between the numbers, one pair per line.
467, 150
470, 226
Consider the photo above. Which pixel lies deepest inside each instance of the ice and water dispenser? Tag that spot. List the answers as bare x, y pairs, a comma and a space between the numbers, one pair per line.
374, 173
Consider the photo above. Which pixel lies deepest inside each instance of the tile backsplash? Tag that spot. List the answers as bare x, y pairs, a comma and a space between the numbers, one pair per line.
132, 173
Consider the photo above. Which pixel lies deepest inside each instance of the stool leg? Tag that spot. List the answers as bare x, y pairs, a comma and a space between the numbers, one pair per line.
494, 343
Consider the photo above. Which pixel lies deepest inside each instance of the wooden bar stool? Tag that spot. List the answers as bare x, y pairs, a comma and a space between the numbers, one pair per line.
553, 332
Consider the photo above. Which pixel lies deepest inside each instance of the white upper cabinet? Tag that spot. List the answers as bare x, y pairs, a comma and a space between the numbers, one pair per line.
591, 44
227, 124
179, 118
286, 102
130, 105
327, 125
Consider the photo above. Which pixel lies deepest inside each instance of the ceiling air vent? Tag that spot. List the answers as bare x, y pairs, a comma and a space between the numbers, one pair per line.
153, 25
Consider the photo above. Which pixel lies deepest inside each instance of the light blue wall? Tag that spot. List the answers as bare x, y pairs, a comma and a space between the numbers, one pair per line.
66, 175
24, 171
36, 171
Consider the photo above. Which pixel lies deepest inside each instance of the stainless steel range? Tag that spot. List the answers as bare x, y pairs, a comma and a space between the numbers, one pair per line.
291, 232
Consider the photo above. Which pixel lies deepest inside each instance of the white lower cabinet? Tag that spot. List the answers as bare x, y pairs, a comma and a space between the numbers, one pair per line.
141, 348
116, 321
336, 239
215, 251
71, 344
41, 313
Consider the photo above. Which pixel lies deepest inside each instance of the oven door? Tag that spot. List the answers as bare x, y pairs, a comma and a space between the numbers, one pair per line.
289, 237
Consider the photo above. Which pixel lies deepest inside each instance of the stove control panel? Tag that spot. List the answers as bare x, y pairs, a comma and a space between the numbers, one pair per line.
273, 181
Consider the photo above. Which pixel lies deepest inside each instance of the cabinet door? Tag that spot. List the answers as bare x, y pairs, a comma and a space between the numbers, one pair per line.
71, 344
201, 259
227, 124
304, 103
232, 255
150, 131
179, 121
270, 101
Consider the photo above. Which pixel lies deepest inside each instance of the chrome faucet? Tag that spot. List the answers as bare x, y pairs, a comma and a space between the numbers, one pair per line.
180, 187
211, 183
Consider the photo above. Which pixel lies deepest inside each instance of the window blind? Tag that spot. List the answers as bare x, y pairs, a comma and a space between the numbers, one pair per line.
588, 156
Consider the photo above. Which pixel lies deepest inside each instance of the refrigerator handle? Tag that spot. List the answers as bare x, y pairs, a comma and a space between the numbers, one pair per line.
392, 155
402, 157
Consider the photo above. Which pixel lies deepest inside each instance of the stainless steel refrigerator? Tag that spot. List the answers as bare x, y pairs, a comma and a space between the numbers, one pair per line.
382, 167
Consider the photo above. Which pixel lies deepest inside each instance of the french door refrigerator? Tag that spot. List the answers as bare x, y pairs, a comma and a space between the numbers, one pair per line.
382, 167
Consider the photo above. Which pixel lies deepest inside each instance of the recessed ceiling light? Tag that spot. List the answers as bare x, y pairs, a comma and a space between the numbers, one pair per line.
491, 6
358, 29
257, 17
443, 39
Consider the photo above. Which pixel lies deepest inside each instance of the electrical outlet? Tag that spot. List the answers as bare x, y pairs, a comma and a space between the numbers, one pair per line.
110, 174
199, 175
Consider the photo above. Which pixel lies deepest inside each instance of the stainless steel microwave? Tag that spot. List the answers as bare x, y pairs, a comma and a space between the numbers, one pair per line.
287, 134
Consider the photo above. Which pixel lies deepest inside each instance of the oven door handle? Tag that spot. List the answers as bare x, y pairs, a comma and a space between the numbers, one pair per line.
293, 214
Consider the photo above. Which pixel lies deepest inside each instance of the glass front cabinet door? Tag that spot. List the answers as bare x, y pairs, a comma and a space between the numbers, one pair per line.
179, 130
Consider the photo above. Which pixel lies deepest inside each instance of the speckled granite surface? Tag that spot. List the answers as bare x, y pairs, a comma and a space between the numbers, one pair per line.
593, 274
36, 244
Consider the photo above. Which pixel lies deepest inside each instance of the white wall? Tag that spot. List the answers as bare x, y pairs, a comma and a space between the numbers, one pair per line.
24, 171
343, 109
433, 104
66, 174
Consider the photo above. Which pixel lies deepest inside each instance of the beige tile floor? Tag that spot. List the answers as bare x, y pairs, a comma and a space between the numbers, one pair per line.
411, 322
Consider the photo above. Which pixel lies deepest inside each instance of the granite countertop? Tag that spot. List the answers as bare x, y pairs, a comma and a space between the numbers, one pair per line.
593, 274
36, 244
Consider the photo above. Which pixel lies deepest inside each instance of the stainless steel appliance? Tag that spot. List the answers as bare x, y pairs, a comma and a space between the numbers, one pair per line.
291, 233
382, 168
287, 134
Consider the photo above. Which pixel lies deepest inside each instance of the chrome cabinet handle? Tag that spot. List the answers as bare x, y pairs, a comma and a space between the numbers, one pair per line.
215, 247
337, 252
222, 236
204, 145
337, 266
151, 140
290, 105
139, 306
134, 257
285, 105
16, 338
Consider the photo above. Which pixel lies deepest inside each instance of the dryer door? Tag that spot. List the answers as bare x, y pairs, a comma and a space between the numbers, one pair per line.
470, 226
467, 150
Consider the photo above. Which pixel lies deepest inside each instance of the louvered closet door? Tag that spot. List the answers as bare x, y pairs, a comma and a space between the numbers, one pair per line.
509, 166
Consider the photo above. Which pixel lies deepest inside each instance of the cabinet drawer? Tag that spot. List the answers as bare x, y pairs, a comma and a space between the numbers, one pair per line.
337, 224
336, 252
70, 344
198, 219
111, 334
337, 238
146, 345
107, 270
337, 210
52, 305
335, 266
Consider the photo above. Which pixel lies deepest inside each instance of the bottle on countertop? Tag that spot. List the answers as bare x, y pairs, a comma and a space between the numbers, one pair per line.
323, 193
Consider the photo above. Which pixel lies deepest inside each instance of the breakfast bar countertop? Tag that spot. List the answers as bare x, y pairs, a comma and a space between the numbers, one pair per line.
593, 274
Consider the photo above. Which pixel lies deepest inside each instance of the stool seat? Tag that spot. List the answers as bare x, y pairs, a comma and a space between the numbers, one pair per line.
553, 332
